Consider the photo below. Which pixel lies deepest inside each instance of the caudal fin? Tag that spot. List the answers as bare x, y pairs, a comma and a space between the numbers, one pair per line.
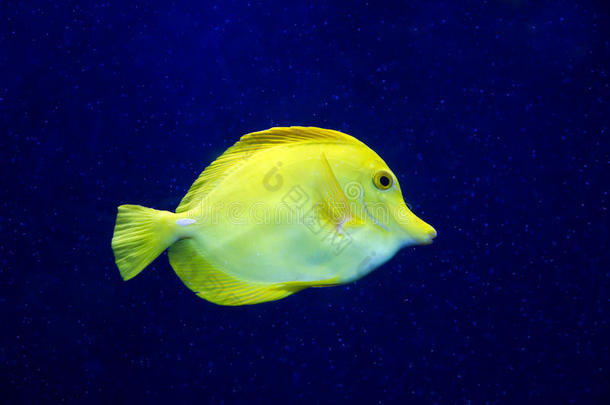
140, 235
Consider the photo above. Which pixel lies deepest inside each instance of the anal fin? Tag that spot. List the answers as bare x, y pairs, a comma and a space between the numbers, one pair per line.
330, 282
213, 285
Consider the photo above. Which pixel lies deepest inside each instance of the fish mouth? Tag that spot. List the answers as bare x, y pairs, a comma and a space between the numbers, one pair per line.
411, 228
416, 230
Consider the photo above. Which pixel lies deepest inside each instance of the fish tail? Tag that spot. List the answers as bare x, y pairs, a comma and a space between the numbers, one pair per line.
140, 235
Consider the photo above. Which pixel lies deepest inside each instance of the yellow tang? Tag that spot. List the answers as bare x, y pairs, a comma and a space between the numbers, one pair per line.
280, 211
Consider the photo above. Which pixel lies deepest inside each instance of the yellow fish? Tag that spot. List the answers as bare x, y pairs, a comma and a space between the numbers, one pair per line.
280, 211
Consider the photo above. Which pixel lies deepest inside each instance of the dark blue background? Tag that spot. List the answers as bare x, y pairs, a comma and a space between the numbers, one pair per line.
493, 113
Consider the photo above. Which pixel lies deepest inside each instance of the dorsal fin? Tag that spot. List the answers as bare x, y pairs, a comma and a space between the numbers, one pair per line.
247, 146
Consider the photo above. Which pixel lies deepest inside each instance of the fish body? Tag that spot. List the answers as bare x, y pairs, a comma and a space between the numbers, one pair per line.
282, 210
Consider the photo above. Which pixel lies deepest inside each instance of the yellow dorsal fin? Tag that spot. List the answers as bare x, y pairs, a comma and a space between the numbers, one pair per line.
335, 204
214, 285
247, 146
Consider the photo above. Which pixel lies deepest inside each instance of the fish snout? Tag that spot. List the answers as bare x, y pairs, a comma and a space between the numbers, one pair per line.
416, 229
427, 234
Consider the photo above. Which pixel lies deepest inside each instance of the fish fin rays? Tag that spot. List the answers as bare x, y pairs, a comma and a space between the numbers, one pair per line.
249, 145
331, 282
212, 284
283, 135
335, 205
140, 235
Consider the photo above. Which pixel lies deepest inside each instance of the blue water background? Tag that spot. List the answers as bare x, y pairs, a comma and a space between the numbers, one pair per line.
494, 115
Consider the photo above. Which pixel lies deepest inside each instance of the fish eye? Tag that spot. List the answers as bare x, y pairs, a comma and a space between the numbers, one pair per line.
383, 180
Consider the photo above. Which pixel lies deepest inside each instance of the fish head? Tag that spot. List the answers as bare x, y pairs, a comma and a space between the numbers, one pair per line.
373, 188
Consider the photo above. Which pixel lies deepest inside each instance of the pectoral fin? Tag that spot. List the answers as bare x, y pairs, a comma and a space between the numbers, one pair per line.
335, 206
